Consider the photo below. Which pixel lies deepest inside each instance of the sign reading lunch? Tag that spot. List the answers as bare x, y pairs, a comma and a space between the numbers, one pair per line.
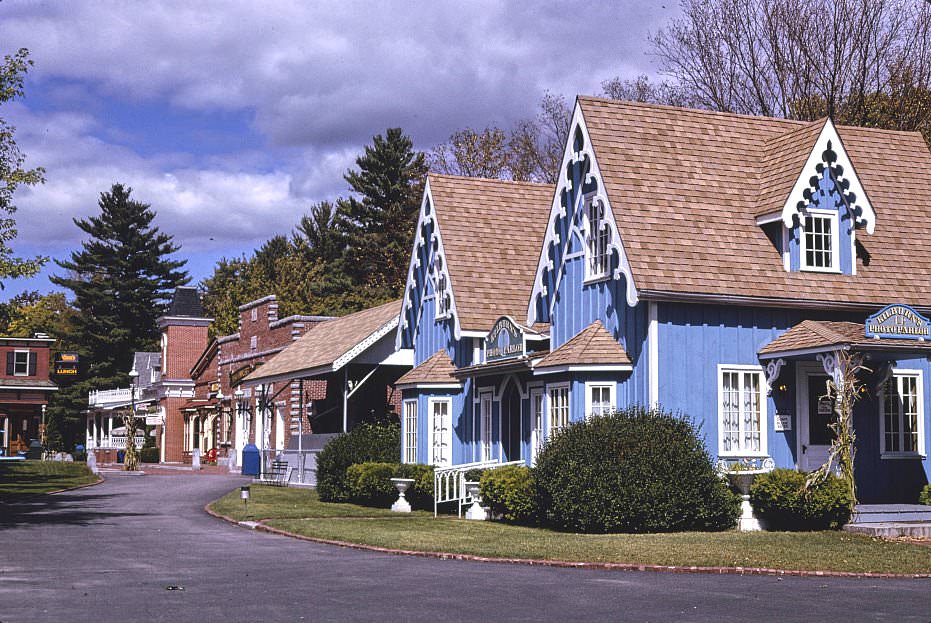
505, 340
898, 322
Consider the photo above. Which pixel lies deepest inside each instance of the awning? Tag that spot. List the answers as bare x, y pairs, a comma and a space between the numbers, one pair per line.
434, 373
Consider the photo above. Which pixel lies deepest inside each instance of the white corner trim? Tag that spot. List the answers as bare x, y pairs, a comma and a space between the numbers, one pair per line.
552, 239
618, 367
365, 344
829, 133
653, 354
427, 214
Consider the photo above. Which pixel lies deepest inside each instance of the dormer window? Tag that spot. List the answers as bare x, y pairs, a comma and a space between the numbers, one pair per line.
819, 241
597, 239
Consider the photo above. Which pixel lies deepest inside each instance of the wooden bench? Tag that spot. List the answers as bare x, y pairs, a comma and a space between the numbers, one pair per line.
277, 475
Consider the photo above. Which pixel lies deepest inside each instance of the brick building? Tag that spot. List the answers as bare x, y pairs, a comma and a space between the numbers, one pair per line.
24, 390
217, 417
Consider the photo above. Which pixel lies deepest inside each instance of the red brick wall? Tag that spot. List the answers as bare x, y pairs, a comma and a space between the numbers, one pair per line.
42, 360
174, 429
185, 345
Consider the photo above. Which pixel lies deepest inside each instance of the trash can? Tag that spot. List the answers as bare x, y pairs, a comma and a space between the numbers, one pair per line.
251, 460
120, 455
35, 450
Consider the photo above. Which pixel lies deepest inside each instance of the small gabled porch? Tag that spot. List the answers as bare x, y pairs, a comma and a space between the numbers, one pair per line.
889, 416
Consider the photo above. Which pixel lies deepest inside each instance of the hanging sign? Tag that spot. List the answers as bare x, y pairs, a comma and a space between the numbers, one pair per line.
66, 364
504, 341
237, 376
898, 322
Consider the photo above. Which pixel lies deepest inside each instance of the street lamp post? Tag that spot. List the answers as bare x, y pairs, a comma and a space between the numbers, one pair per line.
131, 459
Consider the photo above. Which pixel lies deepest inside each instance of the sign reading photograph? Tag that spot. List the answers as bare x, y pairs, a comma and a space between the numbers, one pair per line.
504, 341
898, 322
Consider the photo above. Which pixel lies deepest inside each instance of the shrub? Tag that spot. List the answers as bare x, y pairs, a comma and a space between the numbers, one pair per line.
149, 455
367, 442
510, 493
925, 496
781, 501
638, 470
370, 484
79, 456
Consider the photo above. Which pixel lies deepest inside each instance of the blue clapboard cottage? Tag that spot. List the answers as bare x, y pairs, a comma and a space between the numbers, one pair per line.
713, 264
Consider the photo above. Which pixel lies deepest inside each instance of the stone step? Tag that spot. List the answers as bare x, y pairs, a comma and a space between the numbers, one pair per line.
892, 529
891, 513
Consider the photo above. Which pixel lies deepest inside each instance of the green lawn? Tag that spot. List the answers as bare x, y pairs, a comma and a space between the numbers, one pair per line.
300, 511
19, 478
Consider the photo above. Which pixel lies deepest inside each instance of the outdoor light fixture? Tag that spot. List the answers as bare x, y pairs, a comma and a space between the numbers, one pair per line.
244, 495
783, 388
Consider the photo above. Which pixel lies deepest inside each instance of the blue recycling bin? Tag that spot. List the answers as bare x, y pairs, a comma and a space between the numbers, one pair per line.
120, 456
251, 460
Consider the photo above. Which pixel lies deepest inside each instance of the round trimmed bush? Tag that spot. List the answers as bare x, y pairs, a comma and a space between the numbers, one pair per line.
637, 470
782, 502
365, 443
510, 493
420, 495
925, 496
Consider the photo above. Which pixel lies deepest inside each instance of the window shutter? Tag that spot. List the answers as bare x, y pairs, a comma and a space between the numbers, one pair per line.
33, 359
9, 364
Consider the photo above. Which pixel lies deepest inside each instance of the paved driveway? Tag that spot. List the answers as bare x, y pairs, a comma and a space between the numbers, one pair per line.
107, 553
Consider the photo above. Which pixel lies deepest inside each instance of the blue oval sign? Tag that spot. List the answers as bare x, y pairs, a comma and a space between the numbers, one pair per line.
898, 322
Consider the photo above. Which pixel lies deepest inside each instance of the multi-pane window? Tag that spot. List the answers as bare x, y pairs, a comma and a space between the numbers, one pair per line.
902, 413
536, 414
558, 408
598, 238
741, 412
21, 363
819, 241
410, 431
600, 399
442, 432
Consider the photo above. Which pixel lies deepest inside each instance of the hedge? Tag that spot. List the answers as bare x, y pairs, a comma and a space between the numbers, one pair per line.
365, 443
510, 493
369, 484
637, 470
782, 502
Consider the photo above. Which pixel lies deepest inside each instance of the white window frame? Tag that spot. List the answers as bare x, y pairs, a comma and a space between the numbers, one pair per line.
742, 371
485, 422
919, 452
254, 314
409, 407
440, 302
447, 460
16, 354
537, 421
612, 398
551, 419
833, 217
597, 241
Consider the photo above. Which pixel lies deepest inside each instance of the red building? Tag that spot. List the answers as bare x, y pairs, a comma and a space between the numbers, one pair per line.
24, 391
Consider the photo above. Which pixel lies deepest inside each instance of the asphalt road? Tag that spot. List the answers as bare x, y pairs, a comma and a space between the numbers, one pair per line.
107, 553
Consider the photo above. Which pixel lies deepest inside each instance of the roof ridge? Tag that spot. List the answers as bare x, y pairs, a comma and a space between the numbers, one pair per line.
817, 326
493, 180
698, 111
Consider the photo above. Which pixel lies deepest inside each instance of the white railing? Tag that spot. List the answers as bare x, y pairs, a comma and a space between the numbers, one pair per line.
118, 443
106, 397
449, 482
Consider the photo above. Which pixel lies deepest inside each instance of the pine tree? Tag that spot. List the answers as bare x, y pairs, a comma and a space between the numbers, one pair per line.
379, 226
121, 280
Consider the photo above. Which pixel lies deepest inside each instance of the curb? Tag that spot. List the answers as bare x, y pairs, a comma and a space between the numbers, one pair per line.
100, 480
600, 566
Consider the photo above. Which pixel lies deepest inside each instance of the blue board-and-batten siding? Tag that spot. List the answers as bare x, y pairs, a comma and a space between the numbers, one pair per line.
578, 304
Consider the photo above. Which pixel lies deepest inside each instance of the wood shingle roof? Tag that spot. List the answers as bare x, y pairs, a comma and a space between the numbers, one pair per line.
685, 187
436, 370
492, 233
592, 346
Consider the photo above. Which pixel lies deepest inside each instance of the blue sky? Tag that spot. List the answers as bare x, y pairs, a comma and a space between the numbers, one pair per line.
232, 118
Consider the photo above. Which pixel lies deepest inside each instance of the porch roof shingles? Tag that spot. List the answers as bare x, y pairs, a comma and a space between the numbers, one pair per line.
437, 369
592, 346
686, 186
328, 341
492, 233
812, 335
